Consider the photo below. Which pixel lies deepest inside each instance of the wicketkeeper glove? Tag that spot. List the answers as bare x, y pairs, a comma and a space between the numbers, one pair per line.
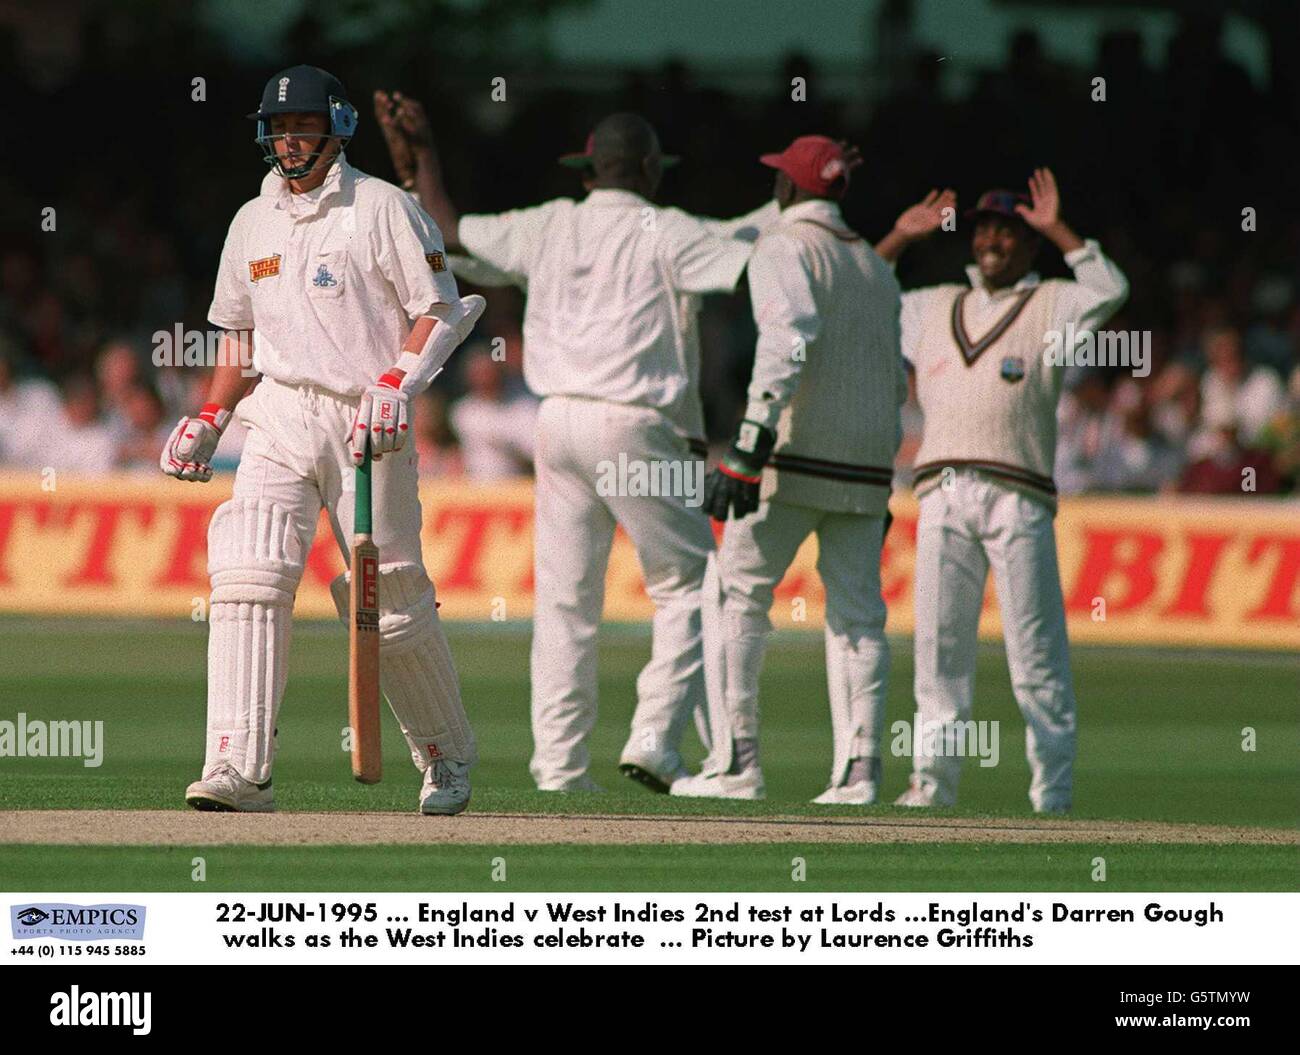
732, 488
188, 452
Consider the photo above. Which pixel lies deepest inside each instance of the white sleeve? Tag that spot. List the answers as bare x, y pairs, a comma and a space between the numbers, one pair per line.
409, 251
480, 273
780, 290
748, 227
909, 320
232, 300
699, 260
507, 241
1097, 292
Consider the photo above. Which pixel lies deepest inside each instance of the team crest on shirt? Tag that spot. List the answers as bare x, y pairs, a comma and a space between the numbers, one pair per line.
323, 278
436, 261
1013, 368
264, 268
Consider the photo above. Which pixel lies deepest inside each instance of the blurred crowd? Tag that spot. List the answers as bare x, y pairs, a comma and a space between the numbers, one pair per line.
1161, 172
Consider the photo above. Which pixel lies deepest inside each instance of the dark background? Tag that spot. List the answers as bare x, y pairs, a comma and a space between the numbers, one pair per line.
145, 180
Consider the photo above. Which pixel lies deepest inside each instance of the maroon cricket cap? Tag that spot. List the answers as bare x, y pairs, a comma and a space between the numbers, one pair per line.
813, 163
999, 203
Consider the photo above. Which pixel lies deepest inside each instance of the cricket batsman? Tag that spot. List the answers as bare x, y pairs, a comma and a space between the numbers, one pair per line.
814, 453
339, 284
610, 347
984, 475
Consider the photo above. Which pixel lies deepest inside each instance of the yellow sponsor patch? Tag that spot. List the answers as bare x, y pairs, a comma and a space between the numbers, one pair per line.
436, 261
264, 268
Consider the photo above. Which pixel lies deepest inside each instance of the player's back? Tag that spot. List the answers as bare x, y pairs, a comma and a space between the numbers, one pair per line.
602, 313
845, 412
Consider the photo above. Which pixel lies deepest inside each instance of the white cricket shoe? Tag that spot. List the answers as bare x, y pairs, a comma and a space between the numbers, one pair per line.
656, 772
862, 792
223, 790
917, 796
747, 784
445, 791
582, 783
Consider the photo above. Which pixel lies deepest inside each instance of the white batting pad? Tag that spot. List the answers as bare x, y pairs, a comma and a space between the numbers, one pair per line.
255, 560
416, 669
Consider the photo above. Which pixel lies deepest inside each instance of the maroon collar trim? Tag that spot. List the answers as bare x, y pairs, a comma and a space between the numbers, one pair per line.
972, 350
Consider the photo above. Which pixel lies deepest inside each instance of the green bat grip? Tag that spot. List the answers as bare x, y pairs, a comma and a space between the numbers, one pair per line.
361, 520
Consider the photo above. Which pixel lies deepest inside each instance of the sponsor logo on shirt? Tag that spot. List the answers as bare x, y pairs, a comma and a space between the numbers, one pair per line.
264, 268
436, 261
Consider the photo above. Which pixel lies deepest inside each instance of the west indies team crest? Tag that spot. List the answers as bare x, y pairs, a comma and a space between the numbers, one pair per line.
1013, 368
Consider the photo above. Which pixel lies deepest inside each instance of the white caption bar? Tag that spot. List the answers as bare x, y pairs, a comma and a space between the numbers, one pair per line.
666, 928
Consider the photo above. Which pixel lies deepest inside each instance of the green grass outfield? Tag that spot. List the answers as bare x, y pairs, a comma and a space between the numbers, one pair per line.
1161, 735
760, 867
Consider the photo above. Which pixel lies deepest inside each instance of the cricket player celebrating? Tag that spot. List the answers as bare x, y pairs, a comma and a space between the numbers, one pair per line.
984, 475
814, 453
609, 346
320, 274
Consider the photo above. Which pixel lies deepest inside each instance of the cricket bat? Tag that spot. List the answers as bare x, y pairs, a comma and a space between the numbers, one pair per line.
363, 637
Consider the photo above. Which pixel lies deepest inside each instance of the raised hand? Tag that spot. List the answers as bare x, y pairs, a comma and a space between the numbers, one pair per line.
1044, 210
927, 215
413, 121
399, 149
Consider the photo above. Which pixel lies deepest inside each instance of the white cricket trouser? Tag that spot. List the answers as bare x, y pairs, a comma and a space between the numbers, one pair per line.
296, 459
755, 554
964, 528
577, 442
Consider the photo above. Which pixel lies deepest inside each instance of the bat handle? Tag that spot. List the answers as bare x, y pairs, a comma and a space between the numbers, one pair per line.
362, 521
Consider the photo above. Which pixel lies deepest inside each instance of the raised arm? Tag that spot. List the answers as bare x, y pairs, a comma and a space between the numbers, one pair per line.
1099, 286
429, 184
917, 222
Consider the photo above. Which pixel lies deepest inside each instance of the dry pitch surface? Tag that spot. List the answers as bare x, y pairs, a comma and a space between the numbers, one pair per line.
178, 828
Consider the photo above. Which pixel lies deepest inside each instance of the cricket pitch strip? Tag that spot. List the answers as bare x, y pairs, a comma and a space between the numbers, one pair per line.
183, 828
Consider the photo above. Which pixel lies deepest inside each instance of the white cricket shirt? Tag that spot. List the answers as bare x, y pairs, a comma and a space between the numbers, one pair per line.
329, 280
828, 376
607, 277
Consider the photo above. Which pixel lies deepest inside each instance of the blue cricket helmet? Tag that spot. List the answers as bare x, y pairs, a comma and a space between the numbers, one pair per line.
303, 90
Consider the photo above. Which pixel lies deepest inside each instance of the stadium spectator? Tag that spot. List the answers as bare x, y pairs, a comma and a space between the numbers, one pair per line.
495, 427
1234, 395
22, 400
434, 442
82, 443
144, 429
118, 374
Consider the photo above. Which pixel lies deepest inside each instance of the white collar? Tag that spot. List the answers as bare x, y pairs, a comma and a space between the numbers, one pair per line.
275, 186
1029, 281
614, 196
822, 209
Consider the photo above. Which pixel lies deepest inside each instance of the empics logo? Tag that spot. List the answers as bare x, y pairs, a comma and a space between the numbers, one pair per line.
29, 917
77, 922
75, 1008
